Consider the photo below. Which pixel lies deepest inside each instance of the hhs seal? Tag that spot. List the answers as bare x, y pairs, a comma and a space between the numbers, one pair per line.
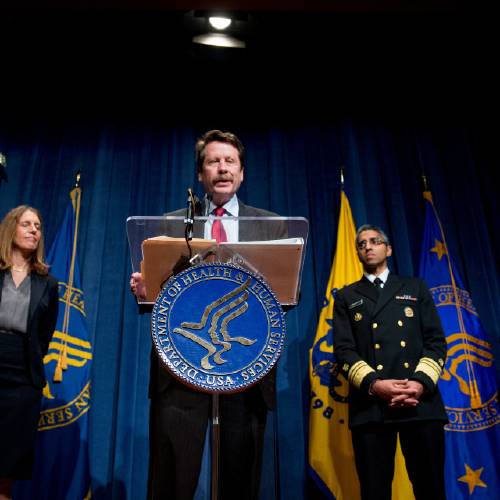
217, 327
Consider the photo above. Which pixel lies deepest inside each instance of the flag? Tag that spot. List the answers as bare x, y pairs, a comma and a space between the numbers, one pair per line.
61, 470
331, 458
468, 384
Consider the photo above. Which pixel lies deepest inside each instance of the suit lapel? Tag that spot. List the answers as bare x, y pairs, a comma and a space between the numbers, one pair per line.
364, 287
244, 228
37, 289
199, 226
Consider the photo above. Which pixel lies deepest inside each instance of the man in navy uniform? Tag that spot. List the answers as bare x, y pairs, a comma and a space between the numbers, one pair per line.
179, 415
390, 345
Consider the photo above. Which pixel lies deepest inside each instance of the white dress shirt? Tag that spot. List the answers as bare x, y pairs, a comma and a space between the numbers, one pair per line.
382, 276
232, 209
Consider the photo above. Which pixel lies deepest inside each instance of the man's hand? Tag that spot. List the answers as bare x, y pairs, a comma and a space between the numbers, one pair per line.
387, 389
411, 392
137, 286
398, 393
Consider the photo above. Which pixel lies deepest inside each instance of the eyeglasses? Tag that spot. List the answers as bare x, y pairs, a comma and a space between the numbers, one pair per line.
361, 245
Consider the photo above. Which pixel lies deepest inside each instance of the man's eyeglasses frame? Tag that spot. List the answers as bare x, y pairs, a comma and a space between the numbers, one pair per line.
376, 241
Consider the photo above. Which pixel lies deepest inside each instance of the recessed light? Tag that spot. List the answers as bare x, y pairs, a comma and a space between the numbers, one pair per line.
219, 23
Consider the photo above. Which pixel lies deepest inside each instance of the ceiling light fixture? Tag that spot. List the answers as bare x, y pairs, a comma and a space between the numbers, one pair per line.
219, 23
207, 28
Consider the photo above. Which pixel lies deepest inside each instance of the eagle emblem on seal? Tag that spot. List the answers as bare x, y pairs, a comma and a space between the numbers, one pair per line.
223, 311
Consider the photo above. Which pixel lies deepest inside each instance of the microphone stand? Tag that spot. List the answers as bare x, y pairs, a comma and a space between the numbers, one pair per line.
193, 207
188, 235
215, 469
189, 220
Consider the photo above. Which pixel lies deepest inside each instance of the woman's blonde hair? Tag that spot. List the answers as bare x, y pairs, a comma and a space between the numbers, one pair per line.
8, 228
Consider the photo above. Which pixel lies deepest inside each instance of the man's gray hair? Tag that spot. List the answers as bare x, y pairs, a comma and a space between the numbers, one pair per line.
371, 227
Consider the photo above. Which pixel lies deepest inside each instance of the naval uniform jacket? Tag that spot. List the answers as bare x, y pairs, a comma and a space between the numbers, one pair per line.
42, 317
248, 231
394, 335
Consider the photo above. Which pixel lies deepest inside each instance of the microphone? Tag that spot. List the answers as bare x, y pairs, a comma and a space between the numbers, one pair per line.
190, 211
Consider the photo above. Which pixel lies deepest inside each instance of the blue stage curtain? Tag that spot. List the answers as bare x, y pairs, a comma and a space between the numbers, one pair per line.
144, 169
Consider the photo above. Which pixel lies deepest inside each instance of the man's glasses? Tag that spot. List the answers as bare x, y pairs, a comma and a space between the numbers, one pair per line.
373, 241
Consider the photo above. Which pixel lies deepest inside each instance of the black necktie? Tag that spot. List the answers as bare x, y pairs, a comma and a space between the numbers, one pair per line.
377, 283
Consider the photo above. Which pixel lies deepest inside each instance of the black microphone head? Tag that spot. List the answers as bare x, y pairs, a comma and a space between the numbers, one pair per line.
194, 202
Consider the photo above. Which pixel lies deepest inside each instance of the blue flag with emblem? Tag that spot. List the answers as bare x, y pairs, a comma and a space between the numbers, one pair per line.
468, 383
61, 469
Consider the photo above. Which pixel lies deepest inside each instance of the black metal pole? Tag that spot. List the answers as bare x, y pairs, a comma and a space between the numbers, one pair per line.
215, 445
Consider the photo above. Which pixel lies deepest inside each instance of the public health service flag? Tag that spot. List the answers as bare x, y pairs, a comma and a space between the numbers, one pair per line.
61, 469
331, 458
468, 383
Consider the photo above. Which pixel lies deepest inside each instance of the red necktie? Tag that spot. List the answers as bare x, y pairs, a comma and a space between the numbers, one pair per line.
218, 232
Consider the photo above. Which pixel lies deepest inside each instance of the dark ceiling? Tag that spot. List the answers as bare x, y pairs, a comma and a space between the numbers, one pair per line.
298, 64
249, 5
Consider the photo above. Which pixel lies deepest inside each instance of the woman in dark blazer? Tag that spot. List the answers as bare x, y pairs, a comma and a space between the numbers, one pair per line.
28, 313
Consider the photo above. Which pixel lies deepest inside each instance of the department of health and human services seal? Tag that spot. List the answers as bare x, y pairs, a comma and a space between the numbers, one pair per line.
218, 327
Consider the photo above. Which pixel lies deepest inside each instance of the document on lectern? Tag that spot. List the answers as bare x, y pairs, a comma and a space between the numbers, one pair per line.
162, 254
277, 261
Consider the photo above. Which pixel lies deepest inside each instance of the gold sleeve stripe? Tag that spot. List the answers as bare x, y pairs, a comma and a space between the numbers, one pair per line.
430, 367
358, 372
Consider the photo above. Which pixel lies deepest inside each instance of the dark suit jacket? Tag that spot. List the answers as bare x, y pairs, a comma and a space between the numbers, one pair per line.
387, 336
248, 231
42, 317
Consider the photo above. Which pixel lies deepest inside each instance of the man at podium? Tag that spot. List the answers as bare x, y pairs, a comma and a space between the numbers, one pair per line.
179, 414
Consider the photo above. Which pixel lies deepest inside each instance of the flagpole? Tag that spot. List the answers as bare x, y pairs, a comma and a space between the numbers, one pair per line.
424, 182
215, 446
77, 179
62, 362
3, 168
